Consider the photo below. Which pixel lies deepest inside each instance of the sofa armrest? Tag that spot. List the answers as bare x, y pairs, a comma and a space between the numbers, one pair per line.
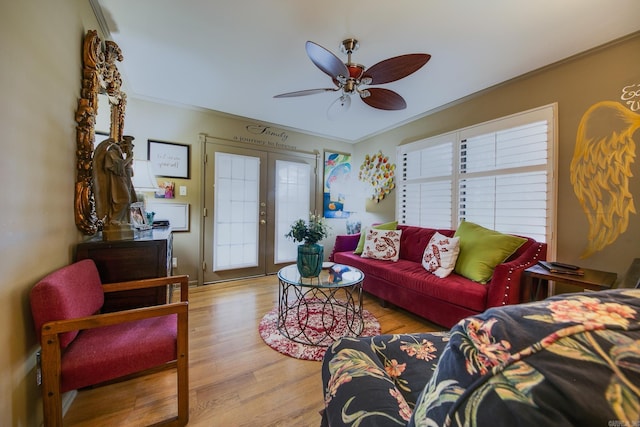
504, 287
345, 243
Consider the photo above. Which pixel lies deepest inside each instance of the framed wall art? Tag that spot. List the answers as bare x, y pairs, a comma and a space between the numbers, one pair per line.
169, 159
176, 213
337, 171
166, 190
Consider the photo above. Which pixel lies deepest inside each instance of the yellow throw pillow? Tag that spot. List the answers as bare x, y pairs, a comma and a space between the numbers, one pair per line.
386, 226
481, 250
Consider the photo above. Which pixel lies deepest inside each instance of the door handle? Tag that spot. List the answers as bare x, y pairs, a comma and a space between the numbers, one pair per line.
263, 221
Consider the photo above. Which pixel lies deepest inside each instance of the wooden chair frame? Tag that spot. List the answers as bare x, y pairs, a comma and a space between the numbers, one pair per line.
51, 354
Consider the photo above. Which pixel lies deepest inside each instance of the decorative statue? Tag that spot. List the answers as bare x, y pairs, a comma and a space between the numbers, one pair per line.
113, 190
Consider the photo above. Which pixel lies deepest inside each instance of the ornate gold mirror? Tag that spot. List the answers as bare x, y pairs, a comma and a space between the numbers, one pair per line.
100, 75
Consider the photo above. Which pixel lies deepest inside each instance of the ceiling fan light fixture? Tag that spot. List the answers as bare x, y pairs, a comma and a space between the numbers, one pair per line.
339, 107
340, 81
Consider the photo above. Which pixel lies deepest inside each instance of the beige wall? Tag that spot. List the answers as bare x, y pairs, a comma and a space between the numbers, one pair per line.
41, 75
41, 64
40, 85
575, 85
148, 120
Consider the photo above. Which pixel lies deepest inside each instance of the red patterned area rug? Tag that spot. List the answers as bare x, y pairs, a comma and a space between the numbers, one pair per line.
311, 315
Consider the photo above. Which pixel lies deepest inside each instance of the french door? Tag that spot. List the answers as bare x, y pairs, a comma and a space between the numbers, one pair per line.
251, 198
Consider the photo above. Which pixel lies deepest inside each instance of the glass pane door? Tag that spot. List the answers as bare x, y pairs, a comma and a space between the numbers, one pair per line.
251, 198
235, 230
292, 201
234, 227
291, 195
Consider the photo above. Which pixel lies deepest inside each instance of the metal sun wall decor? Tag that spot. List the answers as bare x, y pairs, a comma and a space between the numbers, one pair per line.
601, 167
377, 171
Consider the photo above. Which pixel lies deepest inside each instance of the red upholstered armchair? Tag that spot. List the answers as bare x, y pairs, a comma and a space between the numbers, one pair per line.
81, 347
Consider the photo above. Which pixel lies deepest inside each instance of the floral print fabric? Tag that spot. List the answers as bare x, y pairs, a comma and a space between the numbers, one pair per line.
382, 244
570, 360
440, 254
393, 369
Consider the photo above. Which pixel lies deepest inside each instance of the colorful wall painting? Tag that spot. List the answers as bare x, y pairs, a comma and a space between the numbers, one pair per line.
337, 171
166, 190
377, 171
601, 168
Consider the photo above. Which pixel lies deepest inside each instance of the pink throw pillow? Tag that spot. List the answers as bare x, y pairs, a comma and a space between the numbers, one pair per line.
441, 254
382, 244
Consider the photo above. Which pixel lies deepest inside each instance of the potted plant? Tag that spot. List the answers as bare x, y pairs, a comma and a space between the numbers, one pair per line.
310, 253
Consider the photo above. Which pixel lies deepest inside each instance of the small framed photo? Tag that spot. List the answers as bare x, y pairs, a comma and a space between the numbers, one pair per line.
139, 216
166, 190
169, 159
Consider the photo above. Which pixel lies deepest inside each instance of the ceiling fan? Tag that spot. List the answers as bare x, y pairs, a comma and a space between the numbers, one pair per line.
353, 78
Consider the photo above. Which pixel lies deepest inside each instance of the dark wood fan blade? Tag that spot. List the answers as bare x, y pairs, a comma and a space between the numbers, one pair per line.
305, 92
384, 99
396, 68
326, 61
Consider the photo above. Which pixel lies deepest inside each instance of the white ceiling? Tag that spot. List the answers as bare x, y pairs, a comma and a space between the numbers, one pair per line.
233, 56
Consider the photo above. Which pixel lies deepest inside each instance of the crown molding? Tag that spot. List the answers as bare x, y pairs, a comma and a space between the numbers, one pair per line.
102, 21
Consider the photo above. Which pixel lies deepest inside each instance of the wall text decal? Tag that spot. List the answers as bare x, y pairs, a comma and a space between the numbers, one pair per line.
266, 136
631, 95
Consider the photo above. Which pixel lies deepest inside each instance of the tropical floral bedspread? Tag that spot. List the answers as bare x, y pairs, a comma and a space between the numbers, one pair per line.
570, 360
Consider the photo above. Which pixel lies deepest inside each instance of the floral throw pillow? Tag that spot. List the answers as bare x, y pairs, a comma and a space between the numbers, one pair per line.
441, 254
382, 244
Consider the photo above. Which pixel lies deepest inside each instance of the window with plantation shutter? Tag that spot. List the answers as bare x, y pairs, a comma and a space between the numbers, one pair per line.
426, 183
497, 174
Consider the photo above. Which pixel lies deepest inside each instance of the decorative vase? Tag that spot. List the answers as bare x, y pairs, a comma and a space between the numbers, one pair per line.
150, 216
310, 258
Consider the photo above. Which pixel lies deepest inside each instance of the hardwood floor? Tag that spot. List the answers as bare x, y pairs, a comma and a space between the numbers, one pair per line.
235, 379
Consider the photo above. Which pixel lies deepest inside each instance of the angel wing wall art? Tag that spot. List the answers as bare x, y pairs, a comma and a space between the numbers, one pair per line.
601, 170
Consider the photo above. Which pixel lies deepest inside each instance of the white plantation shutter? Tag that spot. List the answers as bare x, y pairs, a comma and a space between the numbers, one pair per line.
427, 203
426, 184
503, 181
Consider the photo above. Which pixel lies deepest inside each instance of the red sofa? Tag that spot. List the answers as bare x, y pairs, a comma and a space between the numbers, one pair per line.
408, 285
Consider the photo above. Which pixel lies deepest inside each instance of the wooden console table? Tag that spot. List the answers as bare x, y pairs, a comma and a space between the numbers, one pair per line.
147, 256
536, 279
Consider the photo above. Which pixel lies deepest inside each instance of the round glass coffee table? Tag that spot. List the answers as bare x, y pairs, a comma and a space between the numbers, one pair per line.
319, 310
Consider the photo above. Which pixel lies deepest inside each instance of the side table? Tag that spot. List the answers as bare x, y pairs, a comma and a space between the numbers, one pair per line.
536, 279
299, 298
